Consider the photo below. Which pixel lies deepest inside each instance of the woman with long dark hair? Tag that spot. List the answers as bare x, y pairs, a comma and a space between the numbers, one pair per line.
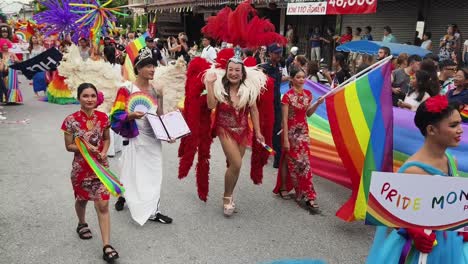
92, 127
341, 70
420, 92
232, 126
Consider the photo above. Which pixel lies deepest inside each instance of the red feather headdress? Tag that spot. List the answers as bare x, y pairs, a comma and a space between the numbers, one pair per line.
242, 27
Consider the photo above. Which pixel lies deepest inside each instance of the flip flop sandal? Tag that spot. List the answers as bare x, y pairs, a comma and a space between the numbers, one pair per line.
83, 231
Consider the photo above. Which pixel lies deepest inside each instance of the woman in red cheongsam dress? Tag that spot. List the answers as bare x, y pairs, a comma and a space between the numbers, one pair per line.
92, 127
295, 169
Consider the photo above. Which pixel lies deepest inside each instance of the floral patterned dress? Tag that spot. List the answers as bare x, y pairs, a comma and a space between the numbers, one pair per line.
86, 184
298, 157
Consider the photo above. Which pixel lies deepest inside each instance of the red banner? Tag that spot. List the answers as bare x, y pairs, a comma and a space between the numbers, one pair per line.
345, 7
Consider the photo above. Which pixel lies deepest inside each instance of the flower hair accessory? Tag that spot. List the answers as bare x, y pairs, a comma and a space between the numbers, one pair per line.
437, 104
100, 98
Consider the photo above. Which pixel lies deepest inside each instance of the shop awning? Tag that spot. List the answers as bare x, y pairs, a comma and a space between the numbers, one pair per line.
184, 4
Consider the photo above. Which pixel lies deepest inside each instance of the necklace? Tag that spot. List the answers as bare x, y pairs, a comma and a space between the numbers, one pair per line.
90, 121
90, 124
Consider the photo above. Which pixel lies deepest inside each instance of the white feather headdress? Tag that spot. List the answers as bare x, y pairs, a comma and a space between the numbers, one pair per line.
249, 90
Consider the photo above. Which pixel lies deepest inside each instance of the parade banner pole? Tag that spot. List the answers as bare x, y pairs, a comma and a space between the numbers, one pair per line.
354, 78
423, 256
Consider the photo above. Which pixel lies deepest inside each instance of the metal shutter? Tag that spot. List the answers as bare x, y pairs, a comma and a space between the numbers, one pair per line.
303, 25
441, 14
400, 15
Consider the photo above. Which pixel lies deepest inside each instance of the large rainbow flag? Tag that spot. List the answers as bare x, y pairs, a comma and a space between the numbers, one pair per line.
326, 161
361, 121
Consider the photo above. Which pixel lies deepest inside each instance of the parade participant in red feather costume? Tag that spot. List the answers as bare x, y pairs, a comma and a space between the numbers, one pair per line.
241, 27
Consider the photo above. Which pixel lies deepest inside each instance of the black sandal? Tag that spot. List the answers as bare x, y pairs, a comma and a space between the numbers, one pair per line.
109, 256
83, 230
119, 205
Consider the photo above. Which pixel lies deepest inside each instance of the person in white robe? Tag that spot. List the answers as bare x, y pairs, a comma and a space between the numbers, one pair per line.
142, 160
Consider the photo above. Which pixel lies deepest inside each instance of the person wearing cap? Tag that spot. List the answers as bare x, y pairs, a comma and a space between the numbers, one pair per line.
208, 53
142, 159
292, 55
155, 50
388, 36
273, 69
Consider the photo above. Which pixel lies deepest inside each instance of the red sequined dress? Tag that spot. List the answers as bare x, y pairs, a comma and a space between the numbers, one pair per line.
232, 122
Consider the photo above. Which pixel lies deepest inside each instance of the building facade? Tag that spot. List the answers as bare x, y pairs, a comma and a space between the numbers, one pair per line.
403, 16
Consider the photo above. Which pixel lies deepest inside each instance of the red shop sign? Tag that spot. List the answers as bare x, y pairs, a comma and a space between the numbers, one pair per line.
338, 7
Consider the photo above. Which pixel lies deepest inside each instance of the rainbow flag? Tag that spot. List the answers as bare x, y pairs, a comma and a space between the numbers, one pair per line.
25, 32
106, 176
361, 121
326, 162
464, 114
128, 72
134, 47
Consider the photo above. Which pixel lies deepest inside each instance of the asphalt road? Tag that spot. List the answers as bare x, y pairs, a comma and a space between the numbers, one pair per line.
37, 218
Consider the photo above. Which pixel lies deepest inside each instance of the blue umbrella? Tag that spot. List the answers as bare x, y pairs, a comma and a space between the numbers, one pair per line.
372, 48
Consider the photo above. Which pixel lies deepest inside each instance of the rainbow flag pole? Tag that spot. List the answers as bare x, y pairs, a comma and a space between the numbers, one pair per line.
357, 76
361, 121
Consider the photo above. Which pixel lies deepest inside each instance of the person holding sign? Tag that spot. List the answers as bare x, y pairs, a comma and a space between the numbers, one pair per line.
234, 101
142, 160
440, 123
92, 127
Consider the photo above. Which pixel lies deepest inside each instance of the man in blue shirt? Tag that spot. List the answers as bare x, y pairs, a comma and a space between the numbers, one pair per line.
314, 40
367, 34
273, 69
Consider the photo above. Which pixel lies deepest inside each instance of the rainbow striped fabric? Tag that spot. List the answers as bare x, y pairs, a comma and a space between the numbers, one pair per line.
407, 139
464, 114
106, 176
361, 121
134, 47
